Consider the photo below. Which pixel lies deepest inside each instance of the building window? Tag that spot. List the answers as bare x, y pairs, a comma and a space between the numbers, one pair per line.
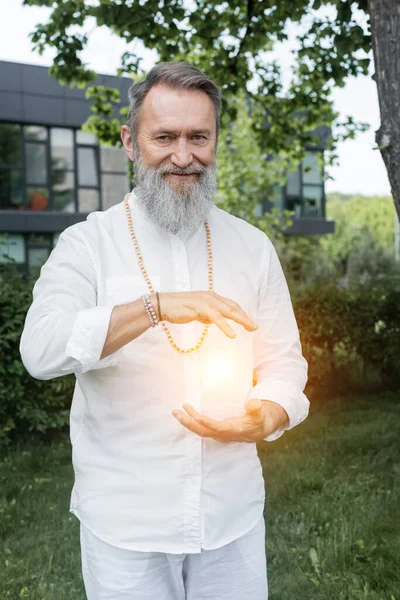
304, 190
35, 163
38, 248
12, 249
36, 151
293, 192
62, 149
58, 169
27, 252
88, 167
278, 199
312, 186
62, 170
63, 191
114, 181
89, 193
88, 200
11, 167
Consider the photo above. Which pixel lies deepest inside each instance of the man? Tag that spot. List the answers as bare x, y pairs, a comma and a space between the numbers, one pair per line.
165, 417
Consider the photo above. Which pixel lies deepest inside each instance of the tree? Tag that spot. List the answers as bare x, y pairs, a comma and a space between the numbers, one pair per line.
385, 23
361, 250
245, 177
231, 42
363, 245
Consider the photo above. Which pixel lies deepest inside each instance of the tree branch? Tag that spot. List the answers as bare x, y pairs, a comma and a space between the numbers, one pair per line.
250, 13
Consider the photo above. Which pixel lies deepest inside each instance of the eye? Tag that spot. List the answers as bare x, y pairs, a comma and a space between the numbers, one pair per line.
199, 138
163, 138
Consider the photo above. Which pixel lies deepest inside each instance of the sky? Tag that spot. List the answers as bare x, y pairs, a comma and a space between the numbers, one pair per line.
360, 167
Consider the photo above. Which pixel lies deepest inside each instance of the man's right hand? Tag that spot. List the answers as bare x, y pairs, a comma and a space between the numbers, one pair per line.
129, 321
204, 306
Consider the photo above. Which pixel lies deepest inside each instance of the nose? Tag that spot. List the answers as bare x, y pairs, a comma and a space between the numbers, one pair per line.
182, 156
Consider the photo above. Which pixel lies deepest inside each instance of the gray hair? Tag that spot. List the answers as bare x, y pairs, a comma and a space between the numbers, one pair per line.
176, 75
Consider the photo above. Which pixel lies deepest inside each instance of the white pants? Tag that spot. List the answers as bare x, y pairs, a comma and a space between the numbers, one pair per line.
236, 571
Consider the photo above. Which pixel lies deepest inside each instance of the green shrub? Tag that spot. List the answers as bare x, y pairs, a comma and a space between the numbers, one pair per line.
26, 405
375, 327
350, 336
322, 313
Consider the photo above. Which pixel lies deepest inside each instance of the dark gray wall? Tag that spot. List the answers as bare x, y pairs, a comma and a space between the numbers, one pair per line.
311, 225
41, 221
31, 221
28, 94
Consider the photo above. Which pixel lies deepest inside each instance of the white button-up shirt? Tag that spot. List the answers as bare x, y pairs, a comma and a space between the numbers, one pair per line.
142, 480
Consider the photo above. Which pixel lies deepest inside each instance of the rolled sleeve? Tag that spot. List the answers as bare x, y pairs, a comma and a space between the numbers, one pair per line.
89, 333
280, 369
295, 403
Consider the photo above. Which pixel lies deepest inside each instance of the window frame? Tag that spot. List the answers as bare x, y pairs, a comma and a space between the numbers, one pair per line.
301, 198
78, 186
13, 167
40, 246
46, 143
25, 139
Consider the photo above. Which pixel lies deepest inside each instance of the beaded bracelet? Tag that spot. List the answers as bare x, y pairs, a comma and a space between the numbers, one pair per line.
151, 313
159, 307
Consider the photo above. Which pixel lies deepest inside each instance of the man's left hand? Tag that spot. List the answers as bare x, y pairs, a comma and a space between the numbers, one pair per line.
262, 418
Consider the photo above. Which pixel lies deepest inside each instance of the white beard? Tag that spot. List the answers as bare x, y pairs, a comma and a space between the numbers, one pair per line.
168, 208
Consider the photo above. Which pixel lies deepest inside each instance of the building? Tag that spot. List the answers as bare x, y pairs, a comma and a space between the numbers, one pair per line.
304, 192
52, 174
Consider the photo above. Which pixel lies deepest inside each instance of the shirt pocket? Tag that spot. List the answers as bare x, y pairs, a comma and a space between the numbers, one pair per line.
123, 289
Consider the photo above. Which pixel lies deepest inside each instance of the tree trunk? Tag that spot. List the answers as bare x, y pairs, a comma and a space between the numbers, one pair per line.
385, 27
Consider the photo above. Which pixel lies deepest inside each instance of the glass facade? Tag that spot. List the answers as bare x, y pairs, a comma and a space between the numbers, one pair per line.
38, 248
11, 167
26, 251
293, 192
304, 190
58, 169
12, 246
114, 181
55, 169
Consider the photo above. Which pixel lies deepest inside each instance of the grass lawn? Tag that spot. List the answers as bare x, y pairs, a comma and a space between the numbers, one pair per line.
332, 511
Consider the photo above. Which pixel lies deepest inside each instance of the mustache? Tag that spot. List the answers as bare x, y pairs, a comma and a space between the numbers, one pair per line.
174, 170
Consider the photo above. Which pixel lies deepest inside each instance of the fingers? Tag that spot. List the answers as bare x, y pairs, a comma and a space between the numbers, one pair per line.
206, 307
219, 320
232, 310
191, 424
206, 422
221, 309
234, 429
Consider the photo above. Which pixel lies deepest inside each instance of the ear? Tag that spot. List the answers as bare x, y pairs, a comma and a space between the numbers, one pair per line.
126, 138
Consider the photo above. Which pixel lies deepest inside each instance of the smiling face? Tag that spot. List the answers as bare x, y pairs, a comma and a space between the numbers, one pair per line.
176, 128
174, 155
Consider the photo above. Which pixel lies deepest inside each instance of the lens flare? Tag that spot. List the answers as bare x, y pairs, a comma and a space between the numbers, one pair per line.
218, 370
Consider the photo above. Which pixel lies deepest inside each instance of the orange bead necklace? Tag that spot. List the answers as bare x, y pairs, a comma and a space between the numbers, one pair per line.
145, 275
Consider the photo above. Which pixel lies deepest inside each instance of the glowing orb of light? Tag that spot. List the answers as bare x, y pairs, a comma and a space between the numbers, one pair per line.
217, 370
